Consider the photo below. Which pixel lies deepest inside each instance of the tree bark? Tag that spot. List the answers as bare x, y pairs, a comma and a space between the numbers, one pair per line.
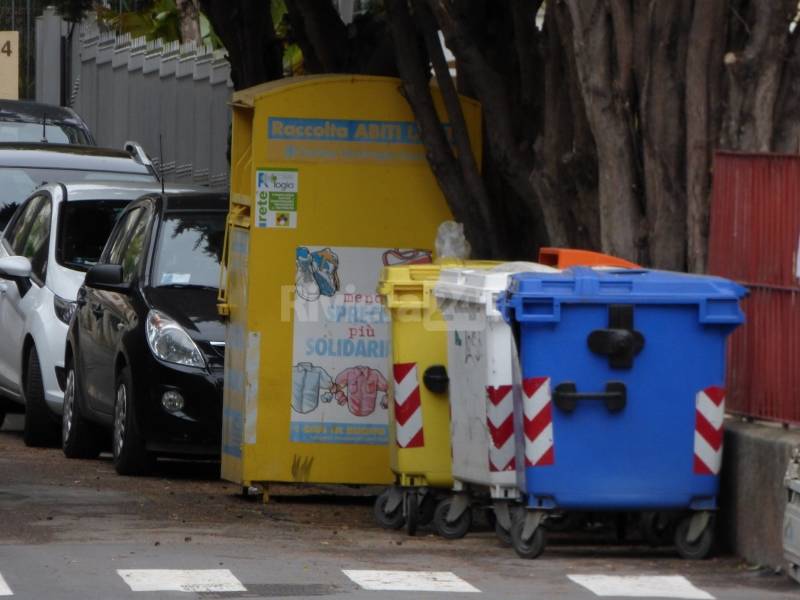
190, 20
754, 76
246, 29
416, 86
516, 163
661, 112
479, 200
324, 31
620, 213
703, 81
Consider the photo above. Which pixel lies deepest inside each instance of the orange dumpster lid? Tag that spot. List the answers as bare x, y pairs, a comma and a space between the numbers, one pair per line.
563, 258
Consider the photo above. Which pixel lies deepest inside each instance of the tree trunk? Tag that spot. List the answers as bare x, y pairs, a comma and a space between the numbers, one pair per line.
618, 195
703, 80
416, 86
190, 20
662, 56
247, 31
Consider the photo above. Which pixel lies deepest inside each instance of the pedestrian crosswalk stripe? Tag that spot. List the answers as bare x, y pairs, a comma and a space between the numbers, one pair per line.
409, 581
178, 580
641, 586
4, 589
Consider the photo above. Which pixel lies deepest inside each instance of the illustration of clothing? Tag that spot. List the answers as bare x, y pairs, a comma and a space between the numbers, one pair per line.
317, 273
310, 384
406, 257
358, 387
305, 285
326, 271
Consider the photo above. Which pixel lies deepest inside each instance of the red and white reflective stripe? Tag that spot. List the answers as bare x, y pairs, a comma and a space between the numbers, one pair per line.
407, 406
537, 406
709, 416
500, 418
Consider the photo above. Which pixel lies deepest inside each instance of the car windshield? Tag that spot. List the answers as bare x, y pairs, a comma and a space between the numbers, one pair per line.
83, 229
14, 131
189, 249
17, 183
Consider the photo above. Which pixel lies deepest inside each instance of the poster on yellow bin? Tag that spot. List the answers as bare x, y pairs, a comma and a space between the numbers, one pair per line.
329, 184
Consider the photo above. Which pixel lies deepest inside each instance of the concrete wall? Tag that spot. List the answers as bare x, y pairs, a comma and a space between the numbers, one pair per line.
753, 498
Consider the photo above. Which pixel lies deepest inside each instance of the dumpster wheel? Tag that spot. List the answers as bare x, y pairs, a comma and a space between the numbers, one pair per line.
412, 512
388, 520
533, 546
454, 529
699, 548
658, 528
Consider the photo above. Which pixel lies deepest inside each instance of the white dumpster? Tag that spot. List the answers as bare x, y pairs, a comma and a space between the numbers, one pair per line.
481, 368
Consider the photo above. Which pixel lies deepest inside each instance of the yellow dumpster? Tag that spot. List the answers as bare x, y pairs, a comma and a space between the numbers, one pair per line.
419, 422
329, 184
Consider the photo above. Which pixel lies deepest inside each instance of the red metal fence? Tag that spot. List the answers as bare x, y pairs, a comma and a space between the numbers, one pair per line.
753, 239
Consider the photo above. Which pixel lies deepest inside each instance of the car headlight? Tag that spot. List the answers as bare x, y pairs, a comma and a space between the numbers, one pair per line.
64, 308
170, 342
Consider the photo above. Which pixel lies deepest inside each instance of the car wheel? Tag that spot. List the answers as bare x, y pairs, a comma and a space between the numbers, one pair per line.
41, 425
79, 437
130, 455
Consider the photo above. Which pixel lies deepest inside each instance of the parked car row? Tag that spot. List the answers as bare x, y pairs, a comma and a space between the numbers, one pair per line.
108, 285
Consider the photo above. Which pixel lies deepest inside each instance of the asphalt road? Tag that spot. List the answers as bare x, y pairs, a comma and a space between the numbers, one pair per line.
75, 530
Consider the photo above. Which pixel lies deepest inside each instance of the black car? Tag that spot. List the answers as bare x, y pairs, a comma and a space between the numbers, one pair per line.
145, 349
23, 167
26, 121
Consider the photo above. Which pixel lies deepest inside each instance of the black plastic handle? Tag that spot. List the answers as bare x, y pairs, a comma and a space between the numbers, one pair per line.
620, 342
615, 396
436, 379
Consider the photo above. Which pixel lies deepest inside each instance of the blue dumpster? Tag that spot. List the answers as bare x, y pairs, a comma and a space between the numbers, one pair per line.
622, 399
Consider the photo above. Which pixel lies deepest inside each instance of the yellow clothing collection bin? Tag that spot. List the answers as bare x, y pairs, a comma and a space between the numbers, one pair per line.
419, 424
329, 185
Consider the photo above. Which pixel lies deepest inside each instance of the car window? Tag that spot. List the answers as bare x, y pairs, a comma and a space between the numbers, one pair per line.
134, 248
21, 219
189, 249
18, 182
14, 131
83, 229
119, 236
30, 234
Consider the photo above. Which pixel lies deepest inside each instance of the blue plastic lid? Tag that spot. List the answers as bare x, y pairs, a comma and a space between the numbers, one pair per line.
538, 296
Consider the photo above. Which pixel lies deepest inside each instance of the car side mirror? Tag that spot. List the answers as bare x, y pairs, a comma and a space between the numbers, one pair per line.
18, 269
105, 277
15, 267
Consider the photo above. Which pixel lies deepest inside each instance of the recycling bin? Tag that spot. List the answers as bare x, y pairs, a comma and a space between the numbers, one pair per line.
329, 184
563, 258
419, 419
481, 367
622, 395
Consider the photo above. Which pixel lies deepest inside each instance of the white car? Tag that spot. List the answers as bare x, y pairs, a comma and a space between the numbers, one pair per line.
52, 239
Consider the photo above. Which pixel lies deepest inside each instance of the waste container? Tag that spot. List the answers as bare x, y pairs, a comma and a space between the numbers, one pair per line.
623, 399
481, 366
564, 258
419, 420
329, 184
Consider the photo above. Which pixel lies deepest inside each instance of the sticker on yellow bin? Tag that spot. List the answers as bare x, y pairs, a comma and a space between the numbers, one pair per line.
276, 198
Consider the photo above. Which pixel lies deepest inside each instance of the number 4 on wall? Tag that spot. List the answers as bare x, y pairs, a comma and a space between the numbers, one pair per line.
6, 48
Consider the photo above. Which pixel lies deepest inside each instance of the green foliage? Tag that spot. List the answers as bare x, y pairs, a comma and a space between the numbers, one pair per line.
161, 20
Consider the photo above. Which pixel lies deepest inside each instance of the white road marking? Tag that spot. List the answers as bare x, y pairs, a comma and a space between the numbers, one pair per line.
4, 589
641, 586
410, 581
178, 580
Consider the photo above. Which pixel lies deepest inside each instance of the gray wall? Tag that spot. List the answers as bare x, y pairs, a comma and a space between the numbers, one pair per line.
132, 89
